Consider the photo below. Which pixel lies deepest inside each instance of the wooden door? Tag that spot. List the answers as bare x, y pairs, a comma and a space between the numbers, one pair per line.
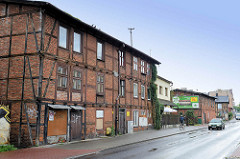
122, 125
76, 124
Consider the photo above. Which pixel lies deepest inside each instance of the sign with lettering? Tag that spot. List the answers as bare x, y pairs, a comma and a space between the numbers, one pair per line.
186, 102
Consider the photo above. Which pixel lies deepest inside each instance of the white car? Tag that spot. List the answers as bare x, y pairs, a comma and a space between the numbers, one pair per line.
237, 116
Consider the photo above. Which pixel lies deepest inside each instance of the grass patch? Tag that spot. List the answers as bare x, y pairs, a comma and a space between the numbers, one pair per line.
4, 148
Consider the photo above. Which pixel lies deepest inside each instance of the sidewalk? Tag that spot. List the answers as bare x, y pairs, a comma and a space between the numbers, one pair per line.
84, 147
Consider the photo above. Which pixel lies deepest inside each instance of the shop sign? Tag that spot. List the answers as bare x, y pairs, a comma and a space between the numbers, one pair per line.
186, 102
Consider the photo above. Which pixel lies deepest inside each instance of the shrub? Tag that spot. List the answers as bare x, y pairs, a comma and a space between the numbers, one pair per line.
191, 119
4, 148
230, 115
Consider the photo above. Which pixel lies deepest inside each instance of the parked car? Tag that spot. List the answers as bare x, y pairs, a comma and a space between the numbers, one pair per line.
216, 123
237, 116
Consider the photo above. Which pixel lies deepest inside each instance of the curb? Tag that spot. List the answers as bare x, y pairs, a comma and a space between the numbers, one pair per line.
159, 137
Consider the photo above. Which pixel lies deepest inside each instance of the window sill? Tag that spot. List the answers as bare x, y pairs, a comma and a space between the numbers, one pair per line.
142, 98
63, 48
135, 97
101, 60
76, 90
143, 73
100, 94
79, 53
61, 89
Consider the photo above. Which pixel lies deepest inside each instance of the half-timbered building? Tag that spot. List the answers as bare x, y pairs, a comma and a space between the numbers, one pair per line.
65, 80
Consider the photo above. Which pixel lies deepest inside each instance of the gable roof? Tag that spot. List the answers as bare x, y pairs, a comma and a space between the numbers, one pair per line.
194, 93
221, 99
161, 78
75, 22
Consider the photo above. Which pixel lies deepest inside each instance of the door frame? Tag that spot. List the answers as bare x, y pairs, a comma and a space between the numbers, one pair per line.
124, 129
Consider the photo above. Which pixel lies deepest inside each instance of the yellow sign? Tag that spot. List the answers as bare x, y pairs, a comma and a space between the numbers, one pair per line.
194, 99
4, 112
128, 113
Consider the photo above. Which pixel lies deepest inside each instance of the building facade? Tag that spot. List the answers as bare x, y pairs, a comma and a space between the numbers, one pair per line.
164, 93
202, 104
225, 92
222, 103
65, 80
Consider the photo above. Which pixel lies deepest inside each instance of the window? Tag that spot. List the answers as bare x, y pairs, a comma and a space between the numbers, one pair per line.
148, 69
149, 93
135, 63
219, 106
100, 84
166, 91
77, 42
62, 77
122, 88
77, 82
99, 51
135, 90
143, 112
142, 67
62, 37
99, 119
160, 89
142, 91
121, 58
135, 118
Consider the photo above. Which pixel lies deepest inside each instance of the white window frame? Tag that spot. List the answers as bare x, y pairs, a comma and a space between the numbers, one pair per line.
77, 37
99, 50
148, 69
142, 66
135, 63
122, 88
135, 118
149, 93
142, 91
135, 90
121, 58
63, 37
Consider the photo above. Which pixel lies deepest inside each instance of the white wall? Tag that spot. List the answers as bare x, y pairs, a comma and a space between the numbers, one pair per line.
163, 84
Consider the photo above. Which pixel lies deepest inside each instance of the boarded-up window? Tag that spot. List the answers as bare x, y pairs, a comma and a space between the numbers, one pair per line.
58, 123
99, 119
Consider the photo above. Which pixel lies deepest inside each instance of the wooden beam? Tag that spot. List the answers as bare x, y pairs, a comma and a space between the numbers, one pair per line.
48, 80
9, 54
23, 83
29, 127
35, 36
30, 72
45, 123
50, 38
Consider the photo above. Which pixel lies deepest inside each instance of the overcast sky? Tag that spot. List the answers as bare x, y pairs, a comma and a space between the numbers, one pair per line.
197, 42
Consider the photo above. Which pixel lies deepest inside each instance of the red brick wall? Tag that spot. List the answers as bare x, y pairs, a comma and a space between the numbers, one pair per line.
86, 61
205, 106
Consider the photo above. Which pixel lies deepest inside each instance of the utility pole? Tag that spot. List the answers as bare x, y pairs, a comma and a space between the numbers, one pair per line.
131, 40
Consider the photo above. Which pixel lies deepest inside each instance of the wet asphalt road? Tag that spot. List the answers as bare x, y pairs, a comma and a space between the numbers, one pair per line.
200, 144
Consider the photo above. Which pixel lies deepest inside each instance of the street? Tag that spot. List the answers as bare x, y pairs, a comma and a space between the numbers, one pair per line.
198, 144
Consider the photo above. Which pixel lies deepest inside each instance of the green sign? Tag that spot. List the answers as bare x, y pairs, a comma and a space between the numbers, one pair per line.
186, 102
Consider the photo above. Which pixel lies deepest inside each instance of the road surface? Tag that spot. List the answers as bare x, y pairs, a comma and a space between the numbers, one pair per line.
199, 144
